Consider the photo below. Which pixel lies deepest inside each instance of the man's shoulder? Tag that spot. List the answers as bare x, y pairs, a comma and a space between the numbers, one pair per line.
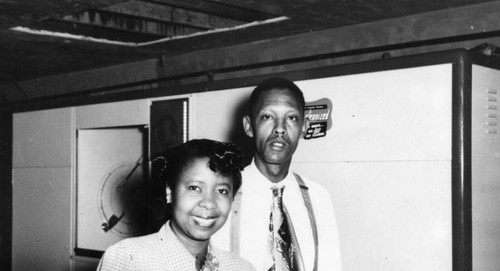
310, 184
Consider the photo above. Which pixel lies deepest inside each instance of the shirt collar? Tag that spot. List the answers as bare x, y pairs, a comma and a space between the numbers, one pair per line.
259, 179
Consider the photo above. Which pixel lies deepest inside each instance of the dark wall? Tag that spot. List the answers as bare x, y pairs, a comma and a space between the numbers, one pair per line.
5, 190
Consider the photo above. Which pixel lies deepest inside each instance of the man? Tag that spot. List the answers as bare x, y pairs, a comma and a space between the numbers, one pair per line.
276, 123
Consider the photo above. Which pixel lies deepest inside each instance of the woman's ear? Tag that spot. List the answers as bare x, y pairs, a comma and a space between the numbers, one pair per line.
169, 195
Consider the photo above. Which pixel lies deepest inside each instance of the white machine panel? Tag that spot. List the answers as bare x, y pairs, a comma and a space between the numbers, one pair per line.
485, 169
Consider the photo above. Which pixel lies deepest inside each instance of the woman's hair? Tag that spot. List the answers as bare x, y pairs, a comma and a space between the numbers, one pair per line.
224, 159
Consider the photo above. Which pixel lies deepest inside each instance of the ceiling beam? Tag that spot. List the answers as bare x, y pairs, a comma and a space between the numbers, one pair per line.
111, 32
437, 30
173, 14
114, 26
219, 9
26, 12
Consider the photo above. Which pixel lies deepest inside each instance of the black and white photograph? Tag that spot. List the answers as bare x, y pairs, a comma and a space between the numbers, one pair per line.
245, 135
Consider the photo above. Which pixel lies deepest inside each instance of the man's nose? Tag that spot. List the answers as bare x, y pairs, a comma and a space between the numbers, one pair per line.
280, 127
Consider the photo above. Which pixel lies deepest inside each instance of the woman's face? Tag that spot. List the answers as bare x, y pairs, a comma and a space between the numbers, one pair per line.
201, 202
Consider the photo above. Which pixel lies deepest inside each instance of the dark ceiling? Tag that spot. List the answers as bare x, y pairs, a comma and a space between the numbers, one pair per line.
144, 29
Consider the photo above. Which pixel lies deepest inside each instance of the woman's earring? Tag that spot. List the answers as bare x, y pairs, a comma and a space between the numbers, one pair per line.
169, 196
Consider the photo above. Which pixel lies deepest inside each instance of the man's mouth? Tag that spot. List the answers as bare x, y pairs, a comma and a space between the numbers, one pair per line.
278, 143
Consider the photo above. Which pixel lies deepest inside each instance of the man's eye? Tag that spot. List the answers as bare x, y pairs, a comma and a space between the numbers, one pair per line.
293, 118
266, 117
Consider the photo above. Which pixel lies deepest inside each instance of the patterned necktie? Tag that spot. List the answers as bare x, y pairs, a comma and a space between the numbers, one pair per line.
283, 242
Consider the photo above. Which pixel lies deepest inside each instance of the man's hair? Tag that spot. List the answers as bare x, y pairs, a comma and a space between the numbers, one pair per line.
224, 159
275, 83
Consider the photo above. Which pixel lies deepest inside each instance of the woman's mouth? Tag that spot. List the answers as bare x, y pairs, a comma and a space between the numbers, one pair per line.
205, 222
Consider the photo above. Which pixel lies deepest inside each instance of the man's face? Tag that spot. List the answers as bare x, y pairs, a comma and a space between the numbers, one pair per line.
277, 125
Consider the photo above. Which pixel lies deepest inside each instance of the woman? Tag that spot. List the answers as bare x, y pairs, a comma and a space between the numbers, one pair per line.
202, 177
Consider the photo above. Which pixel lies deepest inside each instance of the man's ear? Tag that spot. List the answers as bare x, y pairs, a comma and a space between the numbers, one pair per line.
247, 126
169, 195
305, 125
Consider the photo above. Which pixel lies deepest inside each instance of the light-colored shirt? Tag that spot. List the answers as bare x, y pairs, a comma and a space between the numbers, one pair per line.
254, 215
161, 251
